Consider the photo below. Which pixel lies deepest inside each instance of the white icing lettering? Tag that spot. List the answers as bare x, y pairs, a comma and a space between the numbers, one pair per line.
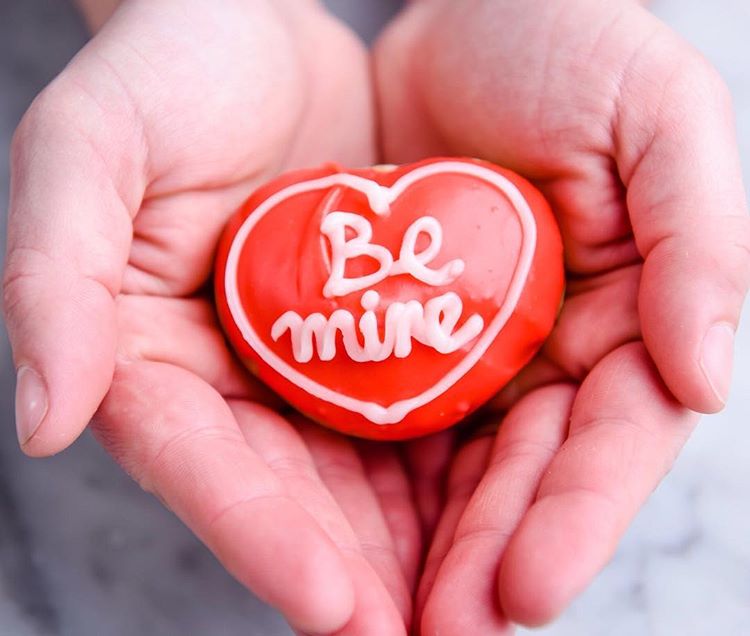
379, 198
342, 249
334, 226
433, 325
409, 262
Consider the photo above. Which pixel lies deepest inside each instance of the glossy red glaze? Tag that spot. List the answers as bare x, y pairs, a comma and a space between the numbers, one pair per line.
283, 266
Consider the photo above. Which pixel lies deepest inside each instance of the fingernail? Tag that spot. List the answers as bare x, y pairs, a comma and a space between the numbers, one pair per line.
31, 403
716, 358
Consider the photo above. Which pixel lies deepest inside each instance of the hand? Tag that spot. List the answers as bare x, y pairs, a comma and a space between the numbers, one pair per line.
124, 172
628, 131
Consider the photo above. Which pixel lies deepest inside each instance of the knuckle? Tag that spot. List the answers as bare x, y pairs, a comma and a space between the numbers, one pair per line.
12, 287
167, 455
23, 265
224, 509
293, 468
730, 260
721, 245
696, 79
115, 441
48, 109
379, 553
741, 251
524, 451
489, 531
13, 294
710, 79
343, 469
34, 115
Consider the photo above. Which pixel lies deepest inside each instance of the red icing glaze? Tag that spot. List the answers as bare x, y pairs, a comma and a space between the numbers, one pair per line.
284, 265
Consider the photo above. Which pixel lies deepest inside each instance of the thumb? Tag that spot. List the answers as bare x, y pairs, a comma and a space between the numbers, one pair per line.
69, 229
679, 161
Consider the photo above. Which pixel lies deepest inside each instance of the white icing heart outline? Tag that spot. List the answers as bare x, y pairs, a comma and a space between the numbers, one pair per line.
379, 198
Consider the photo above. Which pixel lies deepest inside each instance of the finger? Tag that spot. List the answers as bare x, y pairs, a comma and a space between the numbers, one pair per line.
155, 328
599, 314
589, 205
190, 452
342, 473
69, 226
539, 372
625, 432
466, 472
390, 483
679, 160
406, 129
175, 237
527, 440
427, 461
282, 448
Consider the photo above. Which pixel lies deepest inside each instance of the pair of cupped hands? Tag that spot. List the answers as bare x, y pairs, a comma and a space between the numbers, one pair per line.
125, 169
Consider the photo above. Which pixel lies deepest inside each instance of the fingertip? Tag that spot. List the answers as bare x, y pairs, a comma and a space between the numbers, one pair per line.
375, 613
688, 325
50, 439
38, 428
62, 331
50, 416
459, 585
32, 403
525, 598
549, 561
286, 559
717, 352
330, 599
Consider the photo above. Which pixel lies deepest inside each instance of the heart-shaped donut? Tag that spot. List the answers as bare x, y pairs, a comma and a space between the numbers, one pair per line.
390, 302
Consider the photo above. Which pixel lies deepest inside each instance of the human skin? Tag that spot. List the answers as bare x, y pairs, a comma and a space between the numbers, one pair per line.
126, 167
629, 133
124, 171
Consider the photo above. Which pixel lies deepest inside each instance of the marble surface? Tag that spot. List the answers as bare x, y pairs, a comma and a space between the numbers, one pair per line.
83, 552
